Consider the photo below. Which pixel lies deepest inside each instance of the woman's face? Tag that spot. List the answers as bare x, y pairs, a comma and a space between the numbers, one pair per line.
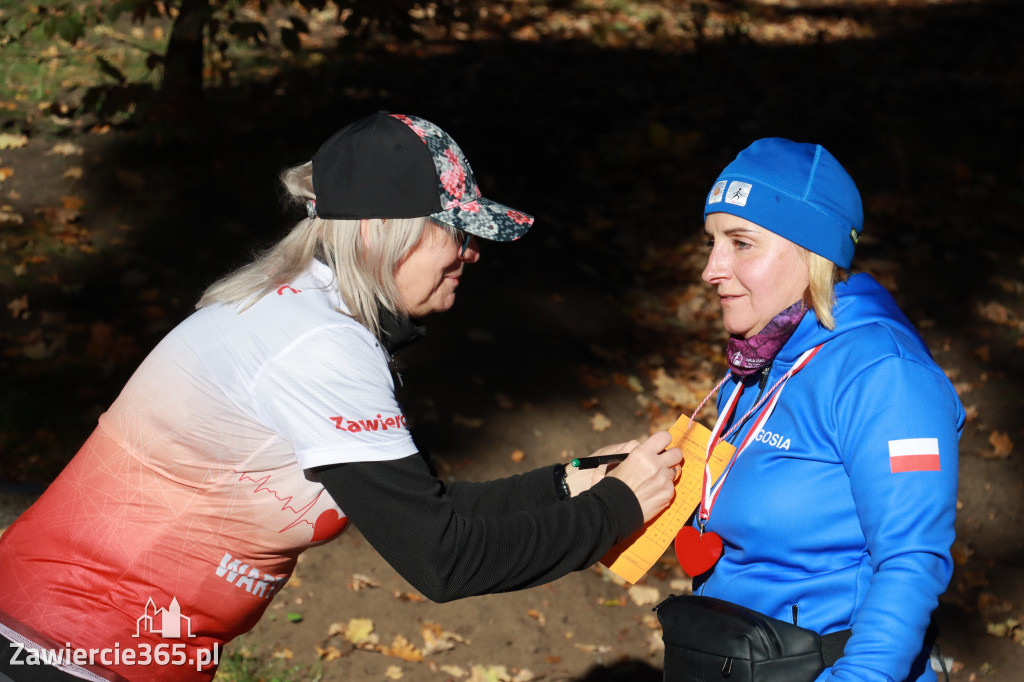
428, 276
756, 273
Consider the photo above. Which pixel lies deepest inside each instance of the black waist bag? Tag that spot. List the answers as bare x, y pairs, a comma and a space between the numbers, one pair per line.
709, 639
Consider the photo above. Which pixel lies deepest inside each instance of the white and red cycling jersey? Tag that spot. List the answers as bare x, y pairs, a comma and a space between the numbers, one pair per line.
195, 488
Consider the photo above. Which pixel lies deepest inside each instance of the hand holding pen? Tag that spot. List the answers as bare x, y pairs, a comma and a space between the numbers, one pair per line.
645, 468
595, 461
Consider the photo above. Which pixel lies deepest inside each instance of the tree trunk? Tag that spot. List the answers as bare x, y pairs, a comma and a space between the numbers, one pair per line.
183, 63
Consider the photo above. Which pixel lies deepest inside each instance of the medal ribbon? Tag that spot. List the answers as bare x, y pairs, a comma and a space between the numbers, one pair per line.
709, 492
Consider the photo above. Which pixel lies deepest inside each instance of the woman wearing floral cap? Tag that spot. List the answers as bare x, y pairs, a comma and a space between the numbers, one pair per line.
265, 421
837, 509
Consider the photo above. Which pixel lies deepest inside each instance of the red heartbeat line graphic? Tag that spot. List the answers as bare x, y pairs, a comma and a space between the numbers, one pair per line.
286, 501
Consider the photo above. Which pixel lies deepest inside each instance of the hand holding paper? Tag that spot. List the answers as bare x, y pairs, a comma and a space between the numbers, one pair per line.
648, 472
632, 558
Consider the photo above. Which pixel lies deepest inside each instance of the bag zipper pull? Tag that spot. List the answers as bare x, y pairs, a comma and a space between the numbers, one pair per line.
664, 601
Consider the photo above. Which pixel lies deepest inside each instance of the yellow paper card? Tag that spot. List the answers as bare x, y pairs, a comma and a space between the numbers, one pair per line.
634, 556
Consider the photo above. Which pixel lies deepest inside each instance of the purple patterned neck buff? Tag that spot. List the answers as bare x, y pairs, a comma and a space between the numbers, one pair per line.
748, 356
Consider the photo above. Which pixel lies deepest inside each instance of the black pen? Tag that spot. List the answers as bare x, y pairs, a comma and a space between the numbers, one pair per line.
598, 460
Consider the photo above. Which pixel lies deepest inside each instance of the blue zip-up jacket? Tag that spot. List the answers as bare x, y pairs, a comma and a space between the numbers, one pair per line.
819, 514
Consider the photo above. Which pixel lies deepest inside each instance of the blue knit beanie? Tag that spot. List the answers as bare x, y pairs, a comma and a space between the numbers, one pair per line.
798, 191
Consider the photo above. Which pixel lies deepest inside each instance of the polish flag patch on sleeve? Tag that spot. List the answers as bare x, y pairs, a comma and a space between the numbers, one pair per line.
914, 454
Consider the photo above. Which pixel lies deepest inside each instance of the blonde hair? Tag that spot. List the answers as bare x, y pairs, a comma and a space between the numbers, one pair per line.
363, 265
823, 276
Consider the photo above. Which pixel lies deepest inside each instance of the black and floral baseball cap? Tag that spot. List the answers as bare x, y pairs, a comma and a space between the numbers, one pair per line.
396, 166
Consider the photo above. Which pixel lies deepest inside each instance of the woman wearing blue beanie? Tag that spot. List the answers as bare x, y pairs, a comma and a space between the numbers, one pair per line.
837, 510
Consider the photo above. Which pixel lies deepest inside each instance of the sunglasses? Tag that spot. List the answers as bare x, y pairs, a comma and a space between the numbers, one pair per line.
462, 237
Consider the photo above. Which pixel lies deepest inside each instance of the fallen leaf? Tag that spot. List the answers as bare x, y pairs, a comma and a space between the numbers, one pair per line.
331, 653
67, 149
393, 672
1003, 629
37, 351
599, 422
1010, 286
1001, 444
961, 552
994, 312
12, 140
407, 596
991, 604
283, 654
11, 218
18, 306
681, 585
634, 384
403, 649
517, 456
962, 387
672, 391
537, 616
651, 621
6, 172
362, 582
593, 648
498, 673
479, 673
436, 639
655, 643
294, 617
74, 173
58, 216
643, 595
434, 643
360, 631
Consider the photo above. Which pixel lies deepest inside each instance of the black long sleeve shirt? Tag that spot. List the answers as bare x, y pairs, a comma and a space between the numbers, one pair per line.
463, 539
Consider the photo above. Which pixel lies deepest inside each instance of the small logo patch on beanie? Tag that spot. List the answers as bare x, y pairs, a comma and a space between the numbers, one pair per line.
717, 192
854, 236
737, 193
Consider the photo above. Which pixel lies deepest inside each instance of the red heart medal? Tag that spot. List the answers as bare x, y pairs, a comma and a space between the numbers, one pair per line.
697, 552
